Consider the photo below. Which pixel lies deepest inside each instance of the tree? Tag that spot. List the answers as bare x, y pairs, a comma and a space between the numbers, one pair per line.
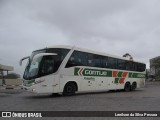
156, 64
128, 55
12, 76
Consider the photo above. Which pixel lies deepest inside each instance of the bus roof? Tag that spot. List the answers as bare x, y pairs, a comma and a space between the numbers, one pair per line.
89, 51
61, 46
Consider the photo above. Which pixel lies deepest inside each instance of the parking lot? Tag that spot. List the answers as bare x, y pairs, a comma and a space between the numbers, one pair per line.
145, 99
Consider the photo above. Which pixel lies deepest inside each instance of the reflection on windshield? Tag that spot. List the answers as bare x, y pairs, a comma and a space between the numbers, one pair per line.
33, 69
44, 65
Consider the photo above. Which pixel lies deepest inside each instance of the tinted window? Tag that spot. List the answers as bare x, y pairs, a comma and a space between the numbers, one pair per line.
131, 66
46, 65
121, 64
61, 52
141, 67
97, 61
90, 60
83, 58
78, 59
87, 59
104, 62
112, 63
100, 61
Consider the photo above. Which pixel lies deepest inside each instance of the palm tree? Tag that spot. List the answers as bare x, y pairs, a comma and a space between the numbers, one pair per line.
128, 55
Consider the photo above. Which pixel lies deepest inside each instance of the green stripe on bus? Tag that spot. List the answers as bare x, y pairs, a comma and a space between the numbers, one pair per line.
119, 74
116, 80
136, 75
76, 71
104, 73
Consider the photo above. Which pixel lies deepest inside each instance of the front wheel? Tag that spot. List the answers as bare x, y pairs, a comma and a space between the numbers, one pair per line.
69, 89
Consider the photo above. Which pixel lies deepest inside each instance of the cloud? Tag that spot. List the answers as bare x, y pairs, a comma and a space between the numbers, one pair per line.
116, 26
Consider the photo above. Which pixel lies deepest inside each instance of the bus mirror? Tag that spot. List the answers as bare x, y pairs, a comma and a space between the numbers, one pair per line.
20, 62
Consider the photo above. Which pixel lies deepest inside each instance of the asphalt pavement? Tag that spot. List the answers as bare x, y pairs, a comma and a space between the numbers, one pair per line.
144, 99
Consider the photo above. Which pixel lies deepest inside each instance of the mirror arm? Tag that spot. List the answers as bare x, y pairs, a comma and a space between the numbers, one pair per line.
20, 62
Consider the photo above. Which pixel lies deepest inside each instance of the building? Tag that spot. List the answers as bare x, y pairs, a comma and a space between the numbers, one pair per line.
4, 68
153, 68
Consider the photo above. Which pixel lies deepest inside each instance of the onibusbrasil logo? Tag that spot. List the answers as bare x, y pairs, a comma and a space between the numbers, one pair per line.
21, 114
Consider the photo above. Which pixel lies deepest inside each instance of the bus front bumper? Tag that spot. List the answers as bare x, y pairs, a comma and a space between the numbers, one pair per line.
30, 89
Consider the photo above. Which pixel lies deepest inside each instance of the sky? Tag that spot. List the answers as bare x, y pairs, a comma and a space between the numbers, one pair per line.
111, 26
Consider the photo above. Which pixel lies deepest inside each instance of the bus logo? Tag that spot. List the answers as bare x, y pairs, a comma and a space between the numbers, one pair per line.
80, 72
119, 76
92, 72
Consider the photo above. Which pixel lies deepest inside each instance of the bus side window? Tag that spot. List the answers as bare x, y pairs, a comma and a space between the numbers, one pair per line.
141, 67
132, 66
112, 63
100, 61
97, 61
83, 58
121, 64
47, 65
90, 60
71, 61
77, 59
104, 62
127, 65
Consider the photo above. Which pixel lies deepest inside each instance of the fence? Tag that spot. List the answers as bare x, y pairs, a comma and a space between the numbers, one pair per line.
11, 83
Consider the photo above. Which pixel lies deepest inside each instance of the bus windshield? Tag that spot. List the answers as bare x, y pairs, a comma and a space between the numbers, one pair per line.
44, 65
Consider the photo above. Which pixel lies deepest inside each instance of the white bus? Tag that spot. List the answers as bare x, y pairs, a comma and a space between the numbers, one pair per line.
67, 70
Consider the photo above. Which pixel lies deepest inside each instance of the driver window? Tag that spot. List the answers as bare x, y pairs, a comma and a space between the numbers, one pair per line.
47, 65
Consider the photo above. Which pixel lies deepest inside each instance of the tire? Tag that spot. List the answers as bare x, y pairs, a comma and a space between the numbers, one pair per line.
134, 86
127, 87
55, 94
69, 89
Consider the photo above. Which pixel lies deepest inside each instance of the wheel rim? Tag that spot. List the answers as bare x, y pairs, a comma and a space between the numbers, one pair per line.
127, 87
69, 89
134, 86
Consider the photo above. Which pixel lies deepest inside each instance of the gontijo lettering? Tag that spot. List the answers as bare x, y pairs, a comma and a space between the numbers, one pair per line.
91, 72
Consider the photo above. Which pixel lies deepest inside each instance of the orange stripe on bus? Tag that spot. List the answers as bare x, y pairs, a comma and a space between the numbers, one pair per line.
124, 74
115, 73
121, 81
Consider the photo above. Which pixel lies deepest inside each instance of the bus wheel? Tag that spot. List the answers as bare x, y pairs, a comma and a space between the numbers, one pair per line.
127, 87
134, 86
69, 89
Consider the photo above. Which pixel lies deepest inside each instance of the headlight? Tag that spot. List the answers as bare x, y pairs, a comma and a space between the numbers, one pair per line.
39, 81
